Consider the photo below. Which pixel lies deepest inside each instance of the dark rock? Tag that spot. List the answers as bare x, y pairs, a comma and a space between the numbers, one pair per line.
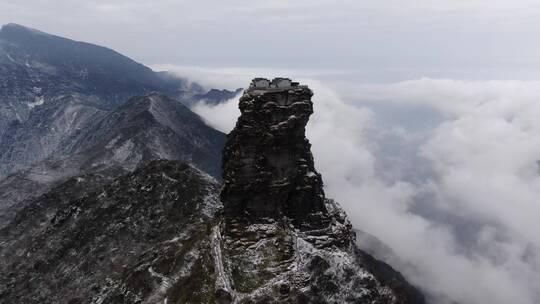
268, 168
282, 239
284, 289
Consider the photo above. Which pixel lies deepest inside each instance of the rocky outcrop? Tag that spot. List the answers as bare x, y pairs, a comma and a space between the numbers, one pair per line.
281, 240
268, 168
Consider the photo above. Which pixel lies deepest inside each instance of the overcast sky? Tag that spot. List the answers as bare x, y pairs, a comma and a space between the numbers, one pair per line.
376, 39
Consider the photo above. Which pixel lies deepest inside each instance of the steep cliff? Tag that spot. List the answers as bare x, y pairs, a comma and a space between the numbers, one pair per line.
282, 240
268, 168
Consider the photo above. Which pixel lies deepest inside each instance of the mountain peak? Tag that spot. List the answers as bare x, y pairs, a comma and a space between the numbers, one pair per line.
77, 66
12, 25
268, 167
155, 126
278, 227
20, 29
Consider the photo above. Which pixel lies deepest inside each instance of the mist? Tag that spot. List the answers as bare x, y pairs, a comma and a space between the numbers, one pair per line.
443, 172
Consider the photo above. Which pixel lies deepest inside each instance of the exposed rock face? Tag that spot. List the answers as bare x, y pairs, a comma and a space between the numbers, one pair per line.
268, 168
281, 240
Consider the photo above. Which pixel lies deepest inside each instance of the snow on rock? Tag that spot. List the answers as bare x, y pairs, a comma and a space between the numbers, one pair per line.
38, 100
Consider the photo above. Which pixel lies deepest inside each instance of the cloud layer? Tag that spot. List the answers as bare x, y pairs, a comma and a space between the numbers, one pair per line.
456, 199
485, 188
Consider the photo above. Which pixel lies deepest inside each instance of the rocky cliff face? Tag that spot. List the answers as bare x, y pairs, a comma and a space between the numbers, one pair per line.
282, 240
268, 168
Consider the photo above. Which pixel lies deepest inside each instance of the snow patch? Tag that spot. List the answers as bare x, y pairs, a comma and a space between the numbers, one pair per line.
11, 58
38, 100
111, 143
124, 151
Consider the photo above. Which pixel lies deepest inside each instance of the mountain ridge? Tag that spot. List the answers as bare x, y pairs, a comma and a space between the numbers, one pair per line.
89, 59
41, 74
118, 142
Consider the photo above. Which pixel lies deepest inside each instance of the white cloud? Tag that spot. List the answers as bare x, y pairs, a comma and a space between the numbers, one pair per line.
221, 116
477, 239
485, 159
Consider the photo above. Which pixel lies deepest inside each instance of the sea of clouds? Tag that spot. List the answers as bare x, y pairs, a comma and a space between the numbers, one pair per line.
444, 173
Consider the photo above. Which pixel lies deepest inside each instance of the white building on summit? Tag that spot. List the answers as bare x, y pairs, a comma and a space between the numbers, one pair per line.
260, 83
276, 83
